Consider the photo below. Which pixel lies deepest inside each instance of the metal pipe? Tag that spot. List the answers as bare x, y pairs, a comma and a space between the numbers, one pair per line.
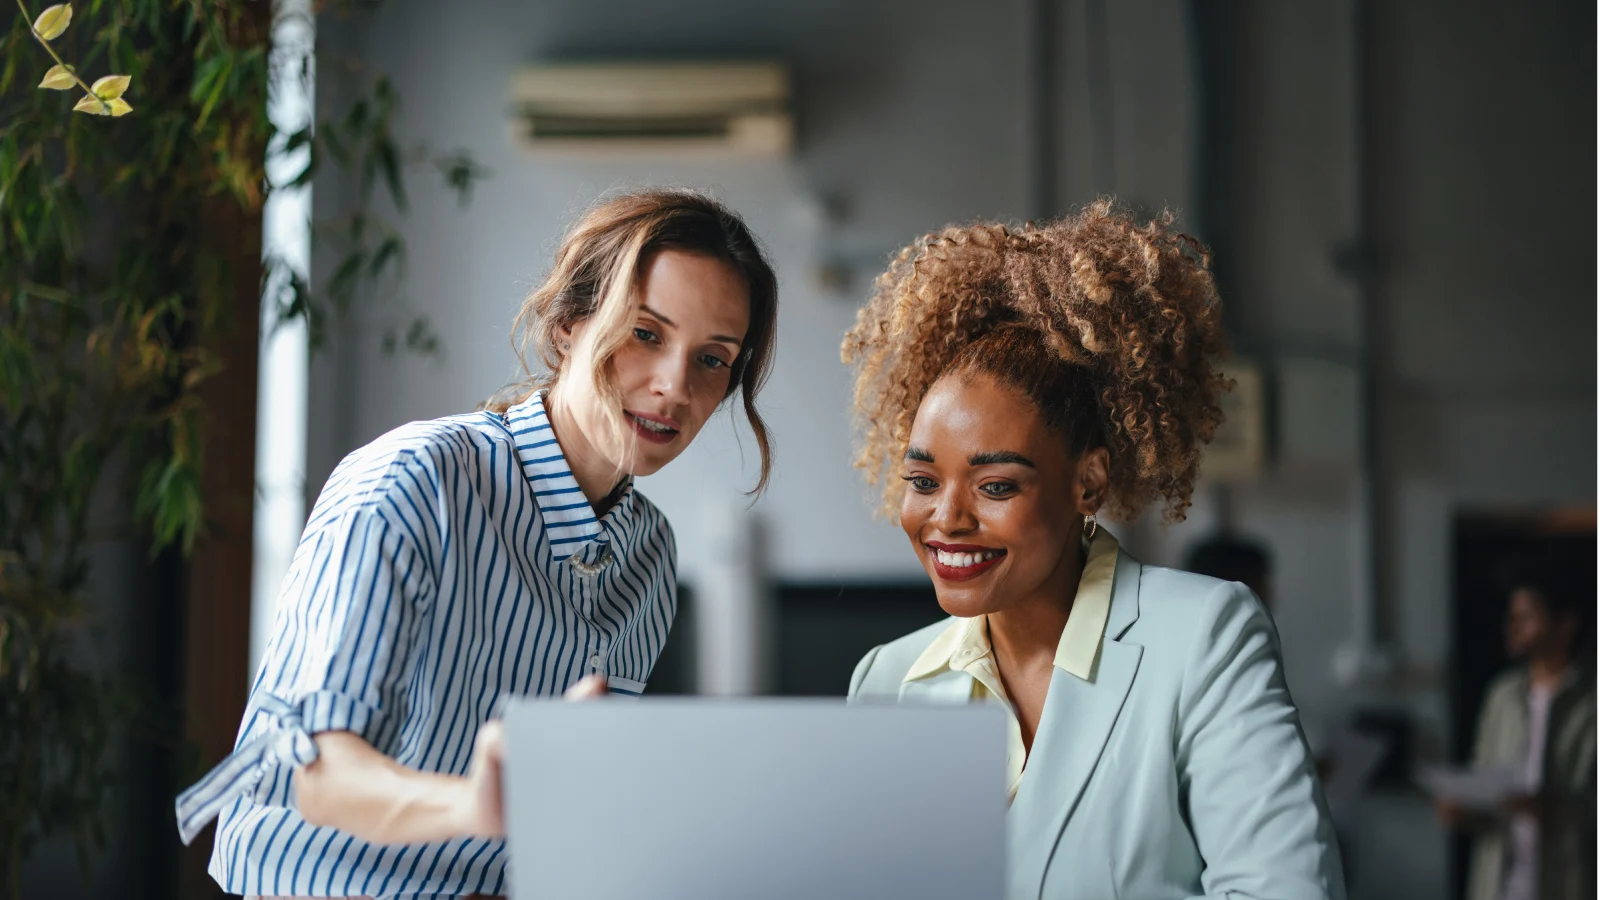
1361, 266
1045, 77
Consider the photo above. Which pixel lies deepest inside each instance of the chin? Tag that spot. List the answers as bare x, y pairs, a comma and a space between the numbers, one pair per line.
962, 603
644, 464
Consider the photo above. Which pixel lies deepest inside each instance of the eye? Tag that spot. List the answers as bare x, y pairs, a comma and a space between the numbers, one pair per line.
999, 488
645, 334
922, 484
713, 362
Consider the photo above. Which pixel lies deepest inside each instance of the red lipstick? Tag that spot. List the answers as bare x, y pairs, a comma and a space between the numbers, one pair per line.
962, 573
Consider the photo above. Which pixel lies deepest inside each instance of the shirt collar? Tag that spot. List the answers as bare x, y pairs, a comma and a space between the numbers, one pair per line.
569, 521
967, 640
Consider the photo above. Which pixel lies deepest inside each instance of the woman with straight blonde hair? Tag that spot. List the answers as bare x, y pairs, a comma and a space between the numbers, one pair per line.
455, 562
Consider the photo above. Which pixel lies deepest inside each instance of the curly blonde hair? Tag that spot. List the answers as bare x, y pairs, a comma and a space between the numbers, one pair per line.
1110, 326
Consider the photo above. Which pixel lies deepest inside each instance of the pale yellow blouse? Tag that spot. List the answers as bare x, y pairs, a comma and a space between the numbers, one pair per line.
964, 647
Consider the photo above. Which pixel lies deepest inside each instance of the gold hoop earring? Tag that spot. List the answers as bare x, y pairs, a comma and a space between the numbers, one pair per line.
1090, 527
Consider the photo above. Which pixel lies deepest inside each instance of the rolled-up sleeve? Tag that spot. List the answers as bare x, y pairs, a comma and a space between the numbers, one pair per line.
340, 657
344, 640
1246, 775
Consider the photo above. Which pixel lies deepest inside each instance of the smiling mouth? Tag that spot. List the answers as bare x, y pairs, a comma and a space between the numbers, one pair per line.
963, 563
651, 430
965, 560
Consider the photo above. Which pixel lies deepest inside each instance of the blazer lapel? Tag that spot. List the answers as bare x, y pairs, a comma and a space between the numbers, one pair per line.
1077, 721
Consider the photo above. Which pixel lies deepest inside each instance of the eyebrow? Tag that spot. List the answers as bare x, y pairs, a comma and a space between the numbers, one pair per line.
720, 338
999, 457
919, 454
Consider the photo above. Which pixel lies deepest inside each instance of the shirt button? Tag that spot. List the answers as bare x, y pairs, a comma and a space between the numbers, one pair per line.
594, 662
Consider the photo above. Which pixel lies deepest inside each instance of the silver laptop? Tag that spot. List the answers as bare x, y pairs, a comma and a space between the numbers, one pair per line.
709, 799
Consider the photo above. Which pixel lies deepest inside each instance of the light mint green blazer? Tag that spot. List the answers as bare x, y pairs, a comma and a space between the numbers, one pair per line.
1177, 769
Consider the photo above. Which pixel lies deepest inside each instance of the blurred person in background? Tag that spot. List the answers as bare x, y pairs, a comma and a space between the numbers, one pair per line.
1231, 557
453, 563
1538, 721
1013, 384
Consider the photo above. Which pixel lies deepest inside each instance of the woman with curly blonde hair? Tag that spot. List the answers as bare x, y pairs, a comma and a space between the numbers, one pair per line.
1014, 384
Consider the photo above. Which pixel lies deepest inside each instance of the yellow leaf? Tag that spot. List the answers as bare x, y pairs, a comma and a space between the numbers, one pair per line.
59, 78
94, 106
120, 107
53, 21
110, 87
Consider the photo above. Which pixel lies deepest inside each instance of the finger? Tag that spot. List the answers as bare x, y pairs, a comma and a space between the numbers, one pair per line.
590, 687
492, 740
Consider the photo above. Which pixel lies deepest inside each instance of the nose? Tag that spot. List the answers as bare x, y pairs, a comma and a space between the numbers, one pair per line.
669, 378
951, 513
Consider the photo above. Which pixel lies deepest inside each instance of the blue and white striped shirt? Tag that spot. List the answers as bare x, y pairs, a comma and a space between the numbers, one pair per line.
447, 565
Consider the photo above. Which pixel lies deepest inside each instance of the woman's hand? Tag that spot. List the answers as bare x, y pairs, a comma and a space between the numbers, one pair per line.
354, 788
590, 688
482, 812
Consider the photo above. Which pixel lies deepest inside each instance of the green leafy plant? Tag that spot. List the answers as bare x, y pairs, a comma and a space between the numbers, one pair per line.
368, 249
104, 98
119, 270
113, 293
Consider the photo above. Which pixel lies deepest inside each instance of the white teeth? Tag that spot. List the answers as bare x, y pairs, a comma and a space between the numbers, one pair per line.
963, 560
652, 426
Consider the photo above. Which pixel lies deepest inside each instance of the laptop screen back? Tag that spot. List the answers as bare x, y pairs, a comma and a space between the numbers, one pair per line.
701, 798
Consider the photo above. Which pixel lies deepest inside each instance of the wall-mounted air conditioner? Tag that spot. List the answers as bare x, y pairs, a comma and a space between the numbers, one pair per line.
645, 107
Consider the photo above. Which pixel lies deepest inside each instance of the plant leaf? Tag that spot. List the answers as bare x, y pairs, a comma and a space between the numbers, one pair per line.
207, 73
329, 133
298, 139
94, 106
110, 87
342, 286
211, 84
421, 338
461, 172
59, 78
53, 21
306, 174
120, 107
389, 164
391, 249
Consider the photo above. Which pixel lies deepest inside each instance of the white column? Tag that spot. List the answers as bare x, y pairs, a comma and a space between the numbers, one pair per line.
285, 351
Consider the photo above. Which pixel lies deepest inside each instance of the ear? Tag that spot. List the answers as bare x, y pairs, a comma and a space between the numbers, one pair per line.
566, 336
1094, 481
